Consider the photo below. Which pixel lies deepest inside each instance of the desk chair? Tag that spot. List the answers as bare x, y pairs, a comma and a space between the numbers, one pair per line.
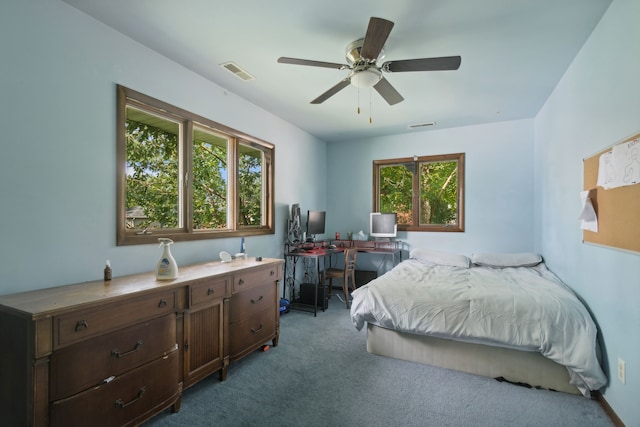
346, 273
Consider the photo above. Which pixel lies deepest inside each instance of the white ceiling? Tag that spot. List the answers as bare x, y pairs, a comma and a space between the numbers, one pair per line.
513, 54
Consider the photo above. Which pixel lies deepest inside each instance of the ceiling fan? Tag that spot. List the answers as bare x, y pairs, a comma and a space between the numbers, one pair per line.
363, 56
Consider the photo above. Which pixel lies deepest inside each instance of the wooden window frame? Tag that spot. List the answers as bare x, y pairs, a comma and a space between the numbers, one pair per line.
415, 198
128, 97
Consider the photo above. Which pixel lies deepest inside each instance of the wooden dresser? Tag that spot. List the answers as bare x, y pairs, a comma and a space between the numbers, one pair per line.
118, 352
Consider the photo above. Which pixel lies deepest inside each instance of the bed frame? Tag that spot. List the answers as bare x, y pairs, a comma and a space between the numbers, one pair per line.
494, 362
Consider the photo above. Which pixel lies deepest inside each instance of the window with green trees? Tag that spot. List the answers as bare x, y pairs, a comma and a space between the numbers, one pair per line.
426, 193
186, 177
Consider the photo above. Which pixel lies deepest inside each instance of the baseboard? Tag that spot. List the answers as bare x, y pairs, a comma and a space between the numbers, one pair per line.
608, 409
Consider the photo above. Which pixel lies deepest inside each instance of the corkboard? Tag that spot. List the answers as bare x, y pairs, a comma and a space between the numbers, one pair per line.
617, 209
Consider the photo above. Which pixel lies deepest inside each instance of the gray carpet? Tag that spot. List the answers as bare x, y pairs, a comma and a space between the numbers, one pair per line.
320, 374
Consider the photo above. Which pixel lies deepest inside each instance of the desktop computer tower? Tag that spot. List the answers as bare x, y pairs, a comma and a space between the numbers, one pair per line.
306, 295
363, 277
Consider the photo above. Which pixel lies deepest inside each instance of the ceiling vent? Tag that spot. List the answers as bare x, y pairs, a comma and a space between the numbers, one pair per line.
422, 125
232, 67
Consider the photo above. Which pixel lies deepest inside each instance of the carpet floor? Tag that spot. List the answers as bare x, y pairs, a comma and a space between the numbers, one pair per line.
320, 374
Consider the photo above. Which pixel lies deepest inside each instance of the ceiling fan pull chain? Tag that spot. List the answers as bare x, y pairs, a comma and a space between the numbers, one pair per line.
358, 100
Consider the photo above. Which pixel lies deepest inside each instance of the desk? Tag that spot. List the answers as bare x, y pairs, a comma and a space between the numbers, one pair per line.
379, 247
318, 253
301, 252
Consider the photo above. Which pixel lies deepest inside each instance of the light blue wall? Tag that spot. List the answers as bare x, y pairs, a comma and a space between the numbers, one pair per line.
498, 184
59, 70
596, 104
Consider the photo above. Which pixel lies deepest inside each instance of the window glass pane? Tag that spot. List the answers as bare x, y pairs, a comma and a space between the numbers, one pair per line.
210, 179
395, 191
152, 171
439, 192
250, 186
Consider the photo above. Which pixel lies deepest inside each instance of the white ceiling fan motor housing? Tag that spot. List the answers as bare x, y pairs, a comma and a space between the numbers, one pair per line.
365, 74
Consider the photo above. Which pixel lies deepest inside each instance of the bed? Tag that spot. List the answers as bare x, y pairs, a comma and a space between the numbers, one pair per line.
504, 316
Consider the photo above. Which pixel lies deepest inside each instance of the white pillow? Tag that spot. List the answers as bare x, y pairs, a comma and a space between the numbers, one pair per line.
440, 258
523, 259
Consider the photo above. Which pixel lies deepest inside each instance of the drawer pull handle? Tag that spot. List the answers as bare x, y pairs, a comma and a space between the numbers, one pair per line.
120, 403
273, 273
162, 303
210, 291
257, 301
81, 325
255, 331
116, 353
241, 282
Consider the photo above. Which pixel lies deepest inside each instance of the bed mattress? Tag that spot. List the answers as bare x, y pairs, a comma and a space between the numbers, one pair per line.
494, 362
525, 309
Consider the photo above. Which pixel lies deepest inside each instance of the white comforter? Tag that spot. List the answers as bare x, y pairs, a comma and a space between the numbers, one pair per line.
522, 308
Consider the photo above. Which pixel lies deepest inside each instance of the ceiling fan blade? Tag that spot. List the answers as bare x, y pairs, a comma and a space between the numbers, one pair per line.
328, 94
424, 64
377, 33
296, 61
388, 92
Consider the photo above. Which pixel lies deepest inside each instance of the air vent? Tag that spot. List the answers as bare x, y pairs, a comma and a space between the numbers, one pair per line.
422, 125
237, 71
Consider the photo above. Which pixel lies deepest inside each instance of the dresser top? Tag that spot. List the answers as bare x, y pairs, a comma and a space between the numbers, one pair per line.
45, 302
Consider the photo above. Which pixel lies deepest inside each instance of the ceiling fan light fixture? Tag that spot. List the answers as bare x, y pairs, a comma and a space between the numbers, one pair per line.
366, 78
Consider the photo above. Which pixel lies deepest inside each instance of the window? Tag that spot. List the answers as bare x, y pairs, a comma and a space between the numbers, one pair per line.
426, 193
186, 177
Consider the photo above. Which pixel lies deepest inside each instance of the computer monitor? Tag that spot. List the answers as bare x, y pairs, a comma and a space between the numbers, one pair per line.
383, 224
315, 223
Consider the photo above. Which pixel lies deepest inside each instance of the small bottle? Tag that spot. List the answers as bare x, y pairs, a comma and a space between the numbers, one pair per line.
107, 271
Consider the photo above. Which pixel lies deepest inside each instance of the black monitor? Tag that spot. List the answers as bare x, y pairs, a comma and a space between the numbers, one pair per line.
315, 223
383, 224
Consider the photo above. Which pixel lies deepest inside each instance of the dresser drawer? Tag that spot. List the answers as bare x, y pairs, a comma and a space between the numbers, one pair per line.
79, 325
255, 330
207, 290
86, 364
257, 276
246, 303
122, 400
